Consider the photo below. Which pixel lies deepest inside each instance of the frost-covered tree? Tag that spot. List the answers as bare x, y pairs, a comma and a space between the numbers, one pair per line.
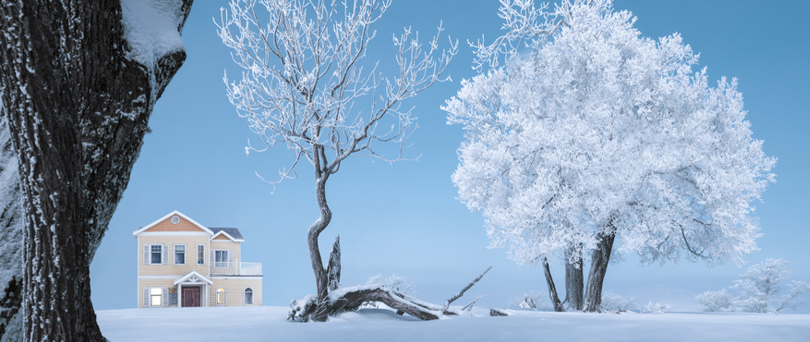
596, 133
306, 86
757, 290
78, 81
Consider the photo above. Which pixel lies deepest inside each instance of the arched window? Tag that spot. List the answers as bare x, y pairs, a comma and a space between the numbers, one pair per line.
221, 296
248, 296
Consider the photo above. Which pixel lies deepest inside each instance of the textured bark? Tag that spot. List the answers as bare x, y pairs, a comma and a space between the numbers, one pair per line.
11, 237
552, 290
78, 110
599, 263
574, 283
333, 269
321, 306
352, 300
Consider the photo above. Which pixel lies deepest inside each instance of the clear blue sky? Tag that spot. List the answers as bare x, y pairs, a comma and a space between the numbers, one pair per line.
404, 219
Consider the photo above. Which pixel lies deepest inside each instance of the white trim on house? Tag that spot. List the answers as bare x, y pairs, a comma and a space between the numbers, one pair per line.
173, 233
239, 277
190, 278
159, 276
139, 231
222, 232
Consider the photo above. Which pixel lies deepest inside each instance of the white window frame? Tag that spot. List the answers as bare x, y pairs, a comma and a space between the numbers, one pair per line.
152, 254
153, 296
184, 254
244, 296
224, 296
200, 256
227, 257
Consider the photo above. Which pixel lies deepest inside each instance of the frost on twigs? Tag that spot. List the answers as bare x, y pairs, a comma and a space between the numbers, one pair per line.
760, 289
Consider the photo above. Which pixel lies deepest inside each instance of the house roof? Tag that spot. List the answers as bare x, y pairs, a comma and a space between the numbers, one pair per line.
145, 228
231, 233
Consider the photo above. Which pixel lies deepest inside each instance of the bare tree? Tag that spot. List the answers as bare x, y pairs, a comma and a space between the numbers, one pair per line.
79, 80
305, 85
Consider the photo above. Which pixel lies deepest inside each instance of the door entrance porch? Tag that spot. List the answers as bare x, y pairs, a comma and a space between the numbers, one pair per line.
191, 296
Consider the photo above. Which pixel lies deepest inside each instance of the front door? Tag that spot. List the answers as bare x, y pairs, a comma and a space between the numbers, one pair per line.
191, 296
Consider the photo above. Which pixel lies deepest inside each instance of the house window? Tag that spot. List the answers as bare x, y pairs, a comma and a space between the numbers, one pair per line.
200, 254
221, 296
248, 296
157, 255
179, 254
156, 296
221, 258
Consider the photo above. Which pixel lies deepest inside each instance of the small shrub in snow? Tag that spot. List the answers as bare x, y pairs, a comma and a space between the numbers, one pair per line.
655, 308
615, 303
716, 301
530, 300
757, 290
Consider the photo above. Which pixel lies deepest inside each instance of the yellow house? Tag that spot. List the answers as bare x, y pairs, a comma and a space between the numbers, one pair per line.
182, 263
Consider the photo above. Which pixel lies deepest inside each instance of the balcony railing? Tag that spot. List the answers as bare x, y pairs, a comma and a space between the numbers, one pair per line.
236, 268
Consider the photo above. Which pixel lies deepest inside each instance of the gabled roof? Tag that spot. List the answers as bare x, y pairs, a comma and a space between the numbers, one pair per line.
195, 277
231, 233
143, 229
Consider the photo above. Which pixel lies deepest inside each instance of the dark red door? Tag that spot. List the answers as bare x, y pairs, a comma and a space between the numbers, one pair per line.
191, 296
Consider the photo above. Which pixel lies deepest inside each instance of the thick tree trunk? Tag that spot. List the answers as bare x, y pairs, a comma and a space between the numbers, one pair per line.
11, 240
574, 282
78, 108
599, 263
552, 290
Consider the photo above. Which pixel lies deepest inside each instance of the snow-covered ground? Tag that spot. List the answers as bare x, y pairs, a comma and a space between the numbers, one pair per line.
270, 324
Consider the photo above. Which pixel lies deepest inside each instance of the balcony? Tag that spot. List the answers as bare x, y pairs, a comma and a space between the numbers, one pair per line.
236, 268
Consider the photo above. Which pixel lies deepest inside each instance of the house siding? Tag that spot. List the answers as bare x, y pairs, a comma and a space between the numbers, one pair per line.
235, 287
190, 241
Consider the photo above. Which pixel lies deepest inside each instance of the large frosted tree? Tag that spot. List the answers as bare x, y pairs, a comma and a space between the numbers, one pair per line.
78, 80
306, 86
596, 133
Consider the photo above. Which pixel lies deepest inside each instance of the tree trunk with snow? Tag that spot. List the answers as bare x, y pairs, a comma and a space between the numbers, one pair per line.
574, 282
79, 80
552, 290
599, 263
11, 240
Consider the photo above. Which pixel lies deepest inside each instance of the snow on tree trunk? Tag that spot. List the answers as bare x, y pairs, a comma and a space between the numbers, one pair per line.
11, 239
599, 263
77, 100
574, 282
333, 269
552, 290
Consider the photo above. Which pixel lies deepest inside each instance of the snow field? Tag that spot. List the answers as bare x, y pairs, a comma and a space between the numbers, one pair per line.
269, 323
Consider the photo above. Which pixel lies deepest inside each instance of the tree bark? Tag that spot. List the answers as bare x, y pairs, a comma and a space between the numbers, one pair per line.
574, 282
552, 290
599, 263
11, 238
78, 109
321, 278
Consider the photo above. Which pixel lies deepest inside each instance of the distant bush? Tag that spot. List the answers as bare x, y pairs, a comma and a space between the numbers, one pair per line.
655, 308
757, 290
615, 303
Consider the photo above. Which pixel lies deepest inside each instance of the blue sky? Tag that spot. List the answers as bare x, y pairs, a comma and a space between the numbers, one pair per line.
404, 218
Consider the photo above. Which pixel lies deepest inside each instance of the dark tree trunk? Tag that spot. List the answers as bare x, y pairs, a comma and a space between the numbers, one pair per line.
574, 282
552, 290
321, 278
78, 109
11, 240
333, 269
599, 263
